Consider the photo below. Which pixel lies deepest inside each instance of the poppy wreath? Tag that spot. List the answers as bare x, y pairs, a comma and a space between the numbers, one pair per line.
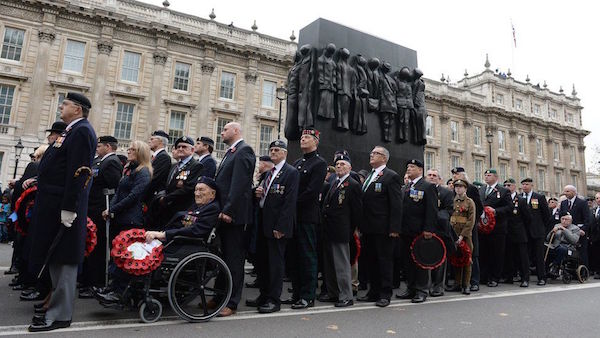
92, 237
462, 256
420, 253
23, 207
123, 258
487, 222
357, 243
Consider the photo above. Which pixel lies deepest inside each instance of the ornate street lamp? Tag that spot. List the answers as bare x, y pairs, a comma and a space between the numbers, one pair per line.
281, 96
490, 138
18, 151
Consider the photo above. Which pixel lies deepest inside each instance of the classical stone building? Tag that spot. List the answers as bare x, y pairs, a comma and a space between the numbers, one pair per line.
521, 129
144, 68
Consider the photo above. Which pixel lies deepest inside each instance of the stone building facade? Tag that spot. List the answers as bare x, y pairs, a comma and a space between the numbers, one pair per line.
529, 130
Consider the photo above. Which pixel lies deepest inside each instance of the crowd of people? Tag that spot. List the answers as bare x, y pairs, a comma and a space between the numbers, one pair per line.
295, 219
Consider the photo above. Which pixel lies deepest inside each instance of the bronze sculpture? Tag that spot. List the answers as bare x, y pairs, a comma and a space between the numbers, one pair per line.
373, 84
387, 101
404, 103
346, 84
361, 97
291, 129
417, 119
305, 85
327, 77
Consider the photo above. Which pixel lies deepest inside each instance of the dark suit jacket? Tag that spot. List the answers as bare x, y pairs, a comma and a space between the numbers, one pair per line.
594, 226
107, 174
519, 220
181, 184
126, 205
196, 222
579, 211
420, 214
342, 211
209, 166
59, 189
279, 210
234, 181
499, 199
312, 169
382, 204
539, 224
161, 167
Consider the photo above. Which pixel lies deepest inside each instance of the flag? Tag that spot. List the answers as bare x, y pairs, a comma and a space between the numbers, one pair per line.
514, 34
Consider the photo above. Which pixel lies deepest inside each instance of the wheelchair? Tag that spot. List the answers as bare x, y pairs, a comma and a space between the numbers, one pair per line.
186, 279
571, 268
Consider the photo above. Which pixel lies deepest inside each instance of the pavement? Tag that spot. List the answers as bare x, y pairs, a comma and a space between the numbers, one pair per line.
506, 311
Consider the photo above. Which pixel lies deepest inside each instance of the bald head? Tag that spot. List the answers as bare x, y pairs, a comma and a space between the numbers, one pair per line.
570, 191
231, 133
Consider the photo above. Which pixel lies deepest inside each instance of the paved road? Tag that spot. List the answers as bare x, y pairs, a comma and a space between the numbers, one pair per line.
506, 311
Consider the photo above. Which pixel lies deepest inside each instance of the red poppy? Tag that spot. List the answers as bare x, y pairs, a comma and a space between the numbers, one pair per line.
123, 258
232, 150
92, 238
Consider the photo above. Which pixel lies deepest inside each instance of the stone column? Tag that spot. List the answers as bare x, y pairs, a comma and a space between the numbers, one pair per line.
514, 156
249, 106
467, 124
204, 105
105, 46
533, 158
550, 158
160, 58
39, 81
444, 160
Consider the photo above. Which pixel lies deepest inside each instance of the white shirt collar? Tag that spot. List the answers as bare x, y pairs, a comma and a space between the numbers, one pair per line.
512, 195
202, 156
493, 185
187, 159
572, 200
158, 151
379, 169
278, 167
236, 143
73, 122
107, 155
343, 178
416, 180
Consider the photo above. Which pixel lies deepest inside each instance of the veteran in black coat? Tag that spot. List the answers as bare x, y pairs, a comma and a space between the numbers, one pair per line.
276, 218
61, 204
579, 210
516, 254
161, 167
234, 182
381, 225
539, 225
204, 148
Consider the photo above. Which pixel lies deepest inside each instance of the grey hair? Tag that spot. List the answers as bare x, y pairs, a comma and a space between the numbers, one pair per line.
386, 153
164, 140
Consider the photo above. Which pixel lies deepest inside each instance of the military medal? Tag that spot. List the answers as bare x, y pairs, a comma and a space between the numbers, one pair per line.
59, 141
341, 196
497, 194
377, 187
534, 203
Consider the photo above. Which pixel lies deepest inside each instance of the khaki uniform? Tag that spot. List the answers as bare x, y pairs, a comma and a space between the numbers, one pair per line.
462, 221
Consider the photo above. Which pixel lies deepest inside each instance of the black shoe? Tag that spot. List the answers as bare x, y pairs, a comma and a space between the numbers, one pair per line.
466, 291
86, 293
252, 285
303, 304
406, 295
541, 282
382, 302
110, 297
35, 295
40, 311
18, 287
325, 298
269, 307
344, 303
454, 288
11, 271
354, 293
39, 305
492, 284
254, 302
597, 275
366, 298
41, 327
436, 293
28, 291
419, 298
289, 301
14, 282
524, 284
474, 288
506, 281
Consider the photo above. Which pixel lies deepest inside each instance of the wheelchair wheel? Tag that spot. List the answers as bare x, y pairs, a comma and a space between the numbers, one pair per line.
583, 273
151, 311
193, 292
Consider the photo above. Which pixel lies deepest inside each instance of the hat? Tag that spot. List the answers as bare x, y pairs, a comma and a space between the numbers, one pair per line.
343, 158
461, 183
341, 152
57, 127
184, 139
564, 213
527, 180
477, 184
80, 99
206, 140
457, 170
160, 133
491, 171
552, 199
510, 180
107, 139
278, 144
363, 173
416, 162
208, 181
312, 132
265, 158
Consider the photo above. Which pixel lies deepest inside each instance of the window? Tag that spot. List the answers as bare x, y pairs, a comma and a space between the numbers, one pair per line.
227, 85
539, 149
502, 172
558, 181
429, 160
176, 125
518, 104
521, 142
61, 97
573, 154
74, 56
266, 136
124, 120
573, 179
541, 179
6, 100
537, 110
454, 161
556, 151
12, 45
429, 126
569, 118
268, 94
501, 140
500, 99
477, 135
478, 170
131, 66
522, 172
220, 146
454, 131
553, 114
182, 76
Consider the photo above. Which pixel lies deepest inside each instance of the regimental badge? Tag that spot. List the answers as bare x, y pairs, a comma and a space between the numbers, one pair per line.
534, 203
183, 175
188, 220
377, 187
95, 172
497, 194
416, 195
277, 189
341, 196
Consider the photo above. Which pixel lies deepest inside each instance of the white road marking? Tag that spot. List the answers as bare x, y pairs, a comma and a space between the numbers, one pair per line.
250, 314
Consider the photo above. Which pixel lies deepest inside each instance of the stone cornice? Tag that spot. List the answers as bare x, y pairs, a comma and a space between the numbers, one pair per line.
105, 46
46, 34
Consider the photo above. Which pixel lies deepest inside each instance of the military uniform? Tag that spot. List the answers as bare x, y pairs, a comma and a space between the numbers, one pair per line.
516, 243
462, 221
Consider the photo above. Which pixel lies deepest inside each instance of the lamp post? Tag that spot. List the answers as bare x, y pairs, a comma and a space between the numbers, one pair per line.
18, 150
281, 96
490, 138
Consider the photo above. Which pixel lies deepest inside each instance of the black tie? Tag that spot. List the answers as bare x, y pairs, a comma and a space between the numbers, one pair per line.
333, 187
570, 205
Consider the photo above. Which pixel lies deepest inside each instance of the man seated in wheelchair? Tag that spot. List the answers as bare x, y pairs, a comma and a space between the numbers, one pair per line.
197, 222
562, 239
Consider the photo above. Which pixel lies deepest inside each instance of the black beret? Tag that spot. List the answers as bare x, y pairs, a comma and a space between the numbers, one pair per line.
107, 139
491, 171
160, 133
80, 99
57, 127
208, 181
206, 140
457, 170
416, 162
510, 180
552, 199
527, 180
342, 157
564, 213
265, 158
184, 139
278, 144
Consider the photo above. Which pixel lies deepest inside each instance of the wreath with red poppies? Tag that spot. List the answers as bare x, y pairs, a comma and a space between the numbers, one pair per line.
462, 256
487, 222
91, 239
124, 258
23, 208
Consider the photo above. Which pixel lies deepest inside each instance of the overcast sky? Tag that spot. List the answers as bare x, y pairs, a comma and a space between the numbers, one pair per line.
557, 41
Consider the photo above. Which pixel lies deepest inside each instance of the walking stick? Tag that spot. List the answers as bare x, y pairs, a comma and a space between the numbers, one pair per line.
107, 192
548, 249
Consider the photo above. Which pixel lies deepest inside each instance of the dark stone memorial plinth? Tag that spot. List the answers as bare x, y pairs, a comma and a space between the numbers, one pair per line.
319, 34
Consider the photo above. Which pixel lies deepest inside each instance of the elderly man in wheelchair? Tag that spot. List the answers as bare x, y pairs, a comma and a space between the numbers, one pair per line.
563, 243
187, 274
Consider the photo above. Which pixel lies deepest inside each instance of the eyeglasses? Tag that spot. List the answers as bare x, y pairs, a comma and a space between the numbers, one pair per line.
377, 153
